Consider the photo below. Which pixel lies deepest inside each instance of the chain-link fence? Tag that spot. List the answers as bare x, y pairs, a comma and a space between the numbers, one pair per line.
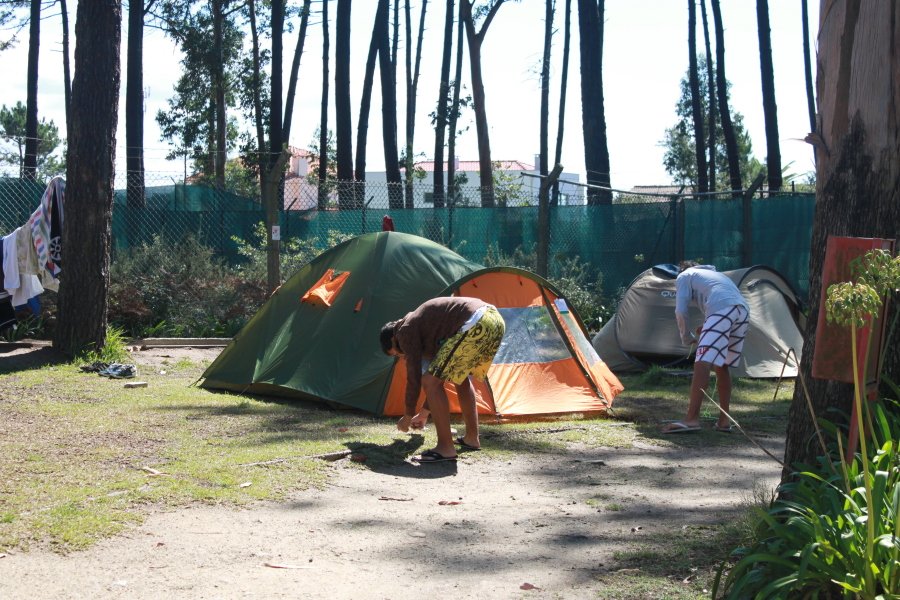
616, 242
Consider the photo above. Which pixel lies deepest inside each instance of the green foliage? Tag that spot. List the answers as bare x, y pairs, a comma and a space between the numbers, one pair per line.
49, 162
574, 279
815, 543
113, 350
189, 122
295, 253
180, 289
837, 530
680, 158
508, 189
31, 327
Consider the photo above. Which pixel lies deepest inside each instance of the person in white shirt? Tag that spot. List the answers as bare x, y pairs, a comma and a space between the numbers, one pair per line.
720, 340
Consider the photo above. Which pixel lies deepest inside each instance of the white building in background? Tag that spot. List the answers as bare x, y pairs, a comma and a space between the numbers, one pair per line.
514, 178
299, 194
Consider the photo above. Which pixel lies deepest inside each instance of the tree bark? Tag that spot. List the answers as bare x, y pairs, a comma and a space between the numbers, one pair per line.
218, 78
412, 88
365, 105
543, 246
475, 40
84, 289
593, 114
323, 115
857, 175
134, 106
807, 70
67, 75
454, 115
712, 117
389, 115
440, 125
343, 120
31, 101
770, 109
696, 101
731, 147
563, 87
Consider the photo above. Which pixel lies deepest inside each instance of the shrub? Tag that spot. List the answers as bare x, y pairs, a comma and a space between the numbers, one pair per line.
179, 289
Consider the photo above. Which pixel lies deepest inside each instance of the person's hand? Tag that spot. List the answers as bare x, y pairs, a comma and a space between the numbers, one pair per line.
420, 420
403, 423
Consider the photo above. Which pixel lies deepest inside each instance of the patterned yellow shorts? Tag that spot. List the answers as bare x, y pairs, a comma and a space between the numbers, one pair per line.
470, 352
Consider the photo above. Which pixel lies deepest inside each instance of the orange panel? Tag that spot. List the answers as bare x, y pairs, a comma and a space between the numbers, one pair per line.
503, 290
542, 388
395, 405
609, 384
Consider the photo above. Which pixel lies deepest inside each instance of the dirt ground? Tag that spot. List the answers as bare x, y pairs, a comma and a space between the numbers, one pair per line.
545, 526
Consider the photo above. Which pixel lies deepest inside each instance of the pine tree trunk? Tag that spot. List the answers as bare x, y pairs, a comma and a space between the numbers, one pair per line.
343, 120
857, 175
31, 101
134, 107
440, 125
696, 101
731, 149
84, 287
770, 109
596, 150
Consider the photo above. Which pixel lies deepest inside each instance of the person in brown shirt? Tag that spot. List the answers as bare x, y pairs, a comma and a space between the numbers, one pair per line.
451, 339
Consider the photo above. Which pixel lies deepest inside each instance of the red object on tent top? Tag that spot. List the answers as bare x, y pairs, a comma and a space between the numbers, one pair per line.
387, 223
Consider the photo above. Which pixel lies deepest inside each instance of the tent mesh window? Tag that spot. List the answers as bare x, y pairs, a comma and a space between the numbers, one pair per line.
531, 337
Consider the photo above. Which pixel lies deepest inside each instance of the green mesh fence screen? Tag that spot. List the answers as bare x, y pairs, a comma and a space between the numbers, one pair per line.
616, 242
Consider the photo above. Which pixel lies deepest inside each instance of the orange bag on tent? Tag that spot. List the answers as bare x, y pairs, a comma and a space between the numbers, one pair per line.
326, 288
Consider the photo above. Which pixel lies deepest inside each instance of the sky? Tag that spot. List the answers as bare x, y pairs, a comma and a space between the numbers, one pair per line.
645, 57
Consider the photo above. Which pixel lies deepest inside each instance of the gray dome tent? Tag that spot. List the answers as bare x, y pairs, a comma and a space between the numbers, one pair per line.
643, 330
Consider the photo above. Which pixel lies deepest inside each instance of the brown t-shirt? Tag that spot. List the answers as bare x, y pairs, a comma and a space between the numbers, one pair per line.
420, 332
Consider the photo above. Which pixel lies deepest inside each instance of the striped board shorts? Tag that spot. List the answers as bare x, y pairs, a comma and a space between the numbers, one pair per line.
722, 337
470, 352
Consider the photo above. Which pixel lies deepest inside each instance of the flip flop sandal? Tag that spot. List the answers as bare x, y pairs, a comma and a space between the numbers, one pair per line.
430, 456
461, 442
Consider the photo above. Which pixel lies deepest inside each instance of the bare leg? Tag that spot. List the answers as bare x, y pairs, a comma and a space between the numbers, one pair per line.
440, 414
469, 409
723, 386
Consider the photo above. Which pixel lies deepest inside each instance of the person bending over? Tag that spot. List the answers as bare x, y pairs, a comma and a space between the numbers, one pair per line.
720, 341
453, 339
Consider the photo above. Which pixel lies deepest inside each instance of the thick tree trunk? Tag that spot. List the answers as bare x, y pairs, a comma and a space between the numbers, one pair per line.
134, 106
731, 149
84, 288
696, 100
770, 109
440, 125
31, 101
365, 105
343, 119
857, 175
593, 114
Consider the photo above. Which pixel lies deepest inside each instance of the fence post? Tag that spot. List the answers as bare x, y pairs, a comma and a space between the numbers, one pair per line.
678, 208
747, 201
543, 247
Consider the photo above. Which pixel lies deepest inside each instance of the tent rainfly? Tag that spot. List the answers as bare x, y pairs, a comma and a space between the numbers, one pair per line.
644, 331
317, 336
